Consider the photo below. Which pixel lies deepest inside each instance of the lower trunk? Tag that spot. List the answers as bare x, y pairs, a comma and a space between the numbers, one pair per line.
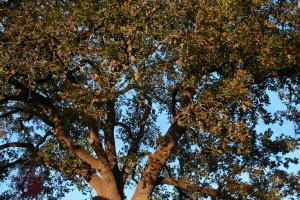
109, 195
105, 191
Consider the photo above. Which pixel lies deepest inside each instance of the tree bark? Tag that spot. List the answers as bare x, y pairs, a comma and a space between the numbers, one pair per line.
106, 186
104, 191
156, 161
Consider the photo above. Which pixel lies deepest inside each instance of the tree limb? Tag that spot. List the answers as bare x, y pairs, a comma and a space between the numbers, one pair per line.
89, 175
44, 79
127, 129
136, 141
63, 136
163, 151
110, 146
157, 160
173, 102
60, 132
282, 72
128, 88
9, 113
17, 144
48, 133
96, 145
192, 187
27, 145
12, 164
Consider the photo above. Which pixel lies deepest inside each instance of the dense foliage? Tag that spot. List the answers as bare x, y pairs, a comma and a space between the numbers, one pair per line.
86, 88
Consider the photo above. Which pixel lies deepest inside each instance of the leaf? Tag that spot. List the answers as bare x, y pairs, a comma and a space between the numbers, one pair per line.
244, 107
136, 75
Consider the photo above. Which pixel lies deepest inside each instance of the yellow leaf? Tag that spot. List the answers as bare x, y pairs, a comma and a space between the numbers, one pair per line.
179, 62
96, 76
244, 107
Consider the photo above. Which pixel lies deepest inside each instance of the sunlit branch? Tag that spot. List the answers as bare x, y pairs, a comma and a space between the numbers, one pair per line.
88, 174
110, 145
84, 172
159, 157
195, 188
96, 145
181, 191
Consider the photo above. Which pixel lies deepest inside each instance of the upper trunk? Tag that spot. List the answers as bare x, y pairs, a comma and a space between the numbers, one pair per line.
156, 161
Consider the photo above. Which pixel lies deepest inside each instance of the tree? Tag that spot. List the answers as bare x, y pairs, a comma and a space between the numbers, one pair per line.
84, 84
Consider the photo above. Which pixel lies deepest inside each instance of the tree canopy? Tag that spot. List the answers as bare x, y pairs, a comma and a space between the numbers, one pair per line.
86, 86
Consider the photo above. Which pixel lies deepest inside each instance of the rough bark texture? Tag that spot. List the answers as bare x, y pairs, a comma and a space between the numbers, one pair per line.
106, 188
156, 161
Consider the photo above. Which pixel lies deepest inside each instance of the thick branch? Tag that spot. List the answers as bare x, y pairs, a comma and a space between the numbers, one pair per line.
96, 145
129, 87
28, 145
46, 78
97, 164
8, 98
192, 187
89, 175
110, 146
163, 151
62, 135
32, 112
157, 160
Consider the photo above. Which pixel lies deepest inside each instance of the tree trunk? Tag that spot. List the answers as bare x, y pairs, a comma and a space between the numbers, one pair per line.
156, 161
104, 191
